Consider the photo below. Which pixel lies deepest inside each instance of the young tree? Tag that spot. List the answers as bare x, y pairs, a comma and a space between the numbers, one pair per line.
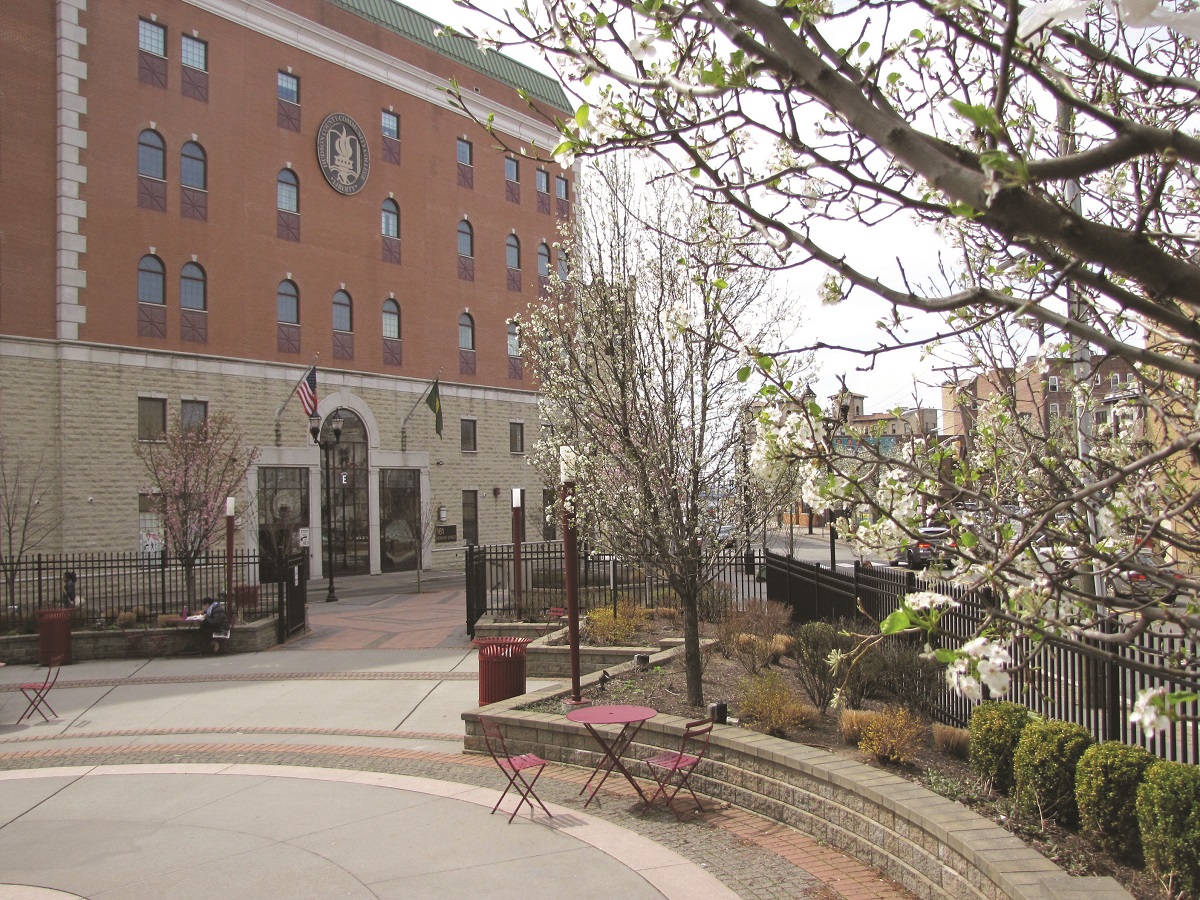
27, 517
191, 471
635, 358
1051, 146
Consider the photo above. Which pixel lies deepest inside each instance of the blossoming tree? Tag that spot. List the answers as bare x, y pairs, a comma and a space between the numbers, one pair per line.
1051, 145
635, 358
191, 472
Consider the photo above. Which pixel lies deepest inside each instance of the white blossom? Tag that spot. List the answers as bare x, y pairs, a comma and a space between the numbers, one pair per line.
923, 600
1149, 711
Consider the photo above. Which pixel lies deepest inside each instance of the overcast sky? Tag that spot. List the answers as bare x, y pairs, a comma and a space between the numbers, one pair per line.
896, 376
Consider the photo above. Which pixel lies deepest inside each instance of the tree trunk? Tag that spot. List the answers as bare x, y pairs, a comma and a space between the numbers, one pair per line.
691, 649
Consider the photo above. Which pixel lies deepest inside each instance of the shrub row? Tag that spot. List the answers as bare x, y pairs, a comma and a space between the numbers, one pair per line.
1133, 806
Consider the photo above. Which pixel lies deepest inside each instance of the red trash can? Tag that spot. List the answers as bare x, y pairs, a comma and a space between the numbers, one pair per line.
54, 635
501, 668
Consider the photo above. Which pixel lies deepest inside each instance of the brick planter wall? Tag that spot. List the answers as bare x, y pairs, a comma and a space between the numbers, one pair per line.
932, 846
245, 637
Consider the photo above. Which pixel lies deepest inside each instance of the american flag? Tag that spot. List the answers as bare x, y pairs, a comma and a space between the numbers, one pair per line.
307, 389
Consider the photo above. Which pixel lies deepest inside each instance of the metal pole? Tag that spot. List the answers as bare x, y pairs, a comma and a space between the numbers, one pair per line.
832, 542
571, 580
517, 517
327, 446
228, 553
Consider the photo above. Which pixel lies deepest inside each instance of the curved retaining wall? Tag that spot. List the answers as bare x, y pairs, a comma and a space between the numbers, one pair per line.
932, 846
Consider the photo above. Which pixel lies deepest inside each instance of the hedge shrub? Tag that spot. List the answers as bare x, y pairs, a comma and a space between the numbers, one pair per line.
1168, 811
995, 729
1106, 784
896, 735
1044, 768
768, 704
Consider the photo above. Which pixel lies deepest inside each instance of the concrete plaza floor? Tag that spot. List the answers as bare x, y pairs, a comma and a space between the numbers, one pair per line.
333, 767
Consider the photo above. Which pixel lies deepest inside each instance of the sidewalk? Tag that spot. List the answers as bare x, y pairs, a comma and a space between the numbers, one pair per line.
334, 767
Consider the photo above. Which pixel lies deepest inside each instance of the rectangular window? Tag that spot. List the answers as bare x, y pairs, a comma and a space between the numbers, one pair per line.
1115, 379
1129, 378
152, 418
390, 125
150, 525
467, 441
511, 170
289, 88
470, 507
464, 152
152, 38
560, 187
543, 181
1053, 410
1053, 386
195, 54
1102, 417
193, 414
516, 437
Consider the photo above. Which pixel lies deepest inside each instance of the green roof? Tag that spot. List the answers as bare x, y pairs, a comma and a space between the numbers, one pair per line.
423, 30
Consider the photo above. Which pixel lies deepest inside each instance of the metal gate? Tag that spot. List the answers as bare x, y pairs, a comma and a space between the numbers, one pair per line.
293, 596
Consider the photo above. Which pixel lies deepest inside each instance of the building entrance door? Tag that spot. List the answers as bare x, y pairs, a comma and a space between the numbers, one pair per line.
350, 494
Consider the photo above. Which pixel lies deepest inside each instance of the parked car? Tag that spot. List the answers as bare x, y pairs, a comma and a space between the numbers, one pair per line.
1152, 579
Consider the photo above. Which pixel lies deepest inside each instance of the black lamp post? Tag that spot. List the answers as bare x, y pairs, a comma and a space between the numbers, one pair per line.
327, 447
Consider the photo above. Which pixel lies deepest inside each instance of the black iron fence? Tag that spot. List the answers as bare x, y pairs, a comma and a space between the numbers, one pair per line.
604, 580
147, 585
1052, 679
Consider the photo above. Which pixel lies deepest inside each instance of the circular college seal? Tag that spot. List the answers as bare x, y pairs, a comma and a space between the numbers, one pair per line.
342, 154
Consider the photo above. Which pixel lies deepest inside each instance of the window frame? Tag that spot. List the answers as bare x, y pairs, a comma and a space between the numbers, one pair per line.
512, 252
514, 341
466, 231
516, 438
294, 185
191, 278
385, 114
512, 170
280, 89
348, 306
468, 432
202, 160
543, 271
1052, 384
460, 145
152, 27
185, 41
562, 188
391, 310
542, 181
152, 408
466, 321
161, 273
193, 405
294, 298
160, 150
1054, 410
394, 214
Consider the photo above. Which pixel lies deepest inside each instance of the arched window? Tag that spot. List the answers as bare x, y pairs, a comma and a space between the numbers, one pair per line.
192, 287
466, 239
391, 319
152, 155
152, 281
543, 261
564, 265
193, 166
287, 303
287, 191
342, 319
512, 252
391, 219
514, 340
466, 332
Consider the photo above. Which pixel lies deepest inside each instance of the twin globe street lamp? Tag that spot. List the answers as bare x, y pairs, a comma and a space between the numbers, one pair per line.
327, 447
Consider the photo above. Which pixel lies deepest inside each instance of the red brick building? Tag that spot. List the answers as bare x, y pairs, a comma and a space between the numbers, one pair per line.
201, 198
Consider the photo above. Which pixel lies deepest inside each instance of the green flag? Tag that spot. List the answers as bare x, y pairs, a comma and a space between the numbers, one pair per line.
434, 402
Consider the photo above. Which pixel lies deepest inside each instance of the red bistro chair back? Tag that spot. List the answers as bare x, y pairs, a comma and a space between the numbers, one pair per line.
517, 769
672, 770
37, 694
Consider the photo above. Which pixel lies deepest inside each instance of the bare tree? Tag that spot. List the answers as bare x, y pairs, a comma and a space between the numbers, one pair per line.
27, 517
192, 470
635, 357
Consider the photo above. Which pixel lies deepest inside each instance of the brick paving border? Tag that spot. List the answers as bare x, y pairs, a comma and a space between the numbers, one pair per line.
757, 858
255, 676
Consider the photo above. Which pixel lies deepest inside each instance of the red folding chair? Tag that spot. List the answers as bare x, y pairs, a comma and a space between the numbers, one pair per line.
514, 768
673, 770
36, 693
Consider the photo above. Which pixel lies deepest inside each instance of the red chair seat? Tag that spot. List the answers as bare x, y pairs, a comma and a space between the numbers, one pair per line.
513, 768
672, 769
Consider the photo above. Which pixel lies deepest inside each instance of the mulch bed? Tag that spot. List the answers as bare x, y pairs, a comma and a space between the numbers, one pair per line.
665, 689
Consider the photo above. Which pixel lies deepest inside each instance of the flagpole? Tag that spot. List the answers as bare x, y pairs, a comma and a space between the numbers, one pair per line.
404, 421
288, 398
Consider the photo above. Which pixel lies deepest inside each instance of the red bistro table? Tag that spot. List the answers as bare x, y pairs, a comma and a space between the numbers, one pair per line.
631, 719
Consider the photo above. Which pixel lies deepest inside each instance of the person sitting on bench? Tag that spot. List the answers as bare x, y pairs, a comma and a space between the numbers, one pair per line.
215, 627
